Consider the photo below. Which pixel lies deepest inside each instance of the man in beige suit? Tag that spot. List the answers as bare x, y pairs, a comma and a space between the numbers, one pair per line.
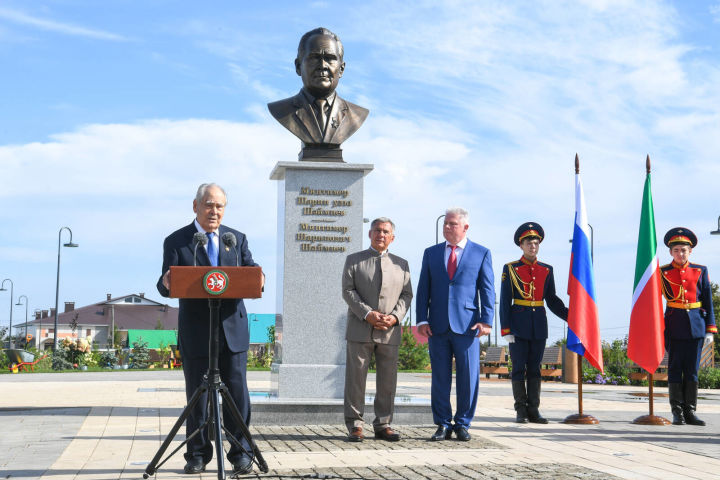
376, 286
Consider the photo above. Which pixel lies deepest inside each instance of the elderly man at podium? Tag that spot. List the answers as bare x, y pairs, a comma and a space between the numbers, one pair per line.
193, 320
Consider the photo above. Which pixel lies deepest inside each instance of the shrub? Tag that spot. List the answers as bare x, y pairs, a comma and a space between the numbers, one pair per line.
107, 359
709, 378
60, 360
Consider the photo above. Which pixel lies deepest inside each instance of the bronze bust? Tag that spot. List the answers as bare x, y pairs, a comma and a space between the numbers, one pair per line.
317, 115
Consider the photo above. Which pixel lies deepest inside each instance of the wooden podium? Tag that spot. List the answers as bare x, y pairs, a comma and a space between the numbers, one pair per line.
243, 282
215, 284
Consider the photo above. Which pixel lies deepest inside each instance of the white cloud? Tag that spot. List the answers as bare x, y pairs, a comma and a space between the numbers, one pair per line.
21, 18
715, 12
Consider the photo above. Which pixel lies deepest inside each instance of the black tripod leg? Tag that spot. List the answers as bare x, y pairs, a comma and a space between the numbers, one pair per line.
152, 466
235, 413
217, 427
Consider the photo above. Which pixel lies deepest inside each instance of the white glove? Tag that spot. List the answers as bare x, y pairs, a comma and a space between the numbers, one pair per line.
708, 340
509, 338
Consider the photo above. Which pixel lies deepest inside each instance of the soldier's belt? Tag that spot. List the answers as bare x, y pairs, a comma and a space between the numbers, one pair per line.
686, 306
529, 303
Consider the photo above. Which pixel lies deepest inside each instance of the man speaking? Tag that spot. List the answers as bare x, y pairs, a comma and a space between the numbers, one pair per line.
181, 248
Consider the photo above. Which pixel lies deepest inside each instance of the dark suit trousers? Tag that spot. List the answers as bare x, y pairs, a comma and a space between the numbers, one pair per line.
526, 356
684, 360
466, 350
233, 372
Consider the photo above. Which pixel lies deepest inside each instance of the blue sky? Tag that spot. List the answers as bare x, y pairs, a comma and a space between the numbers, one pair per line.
113, 112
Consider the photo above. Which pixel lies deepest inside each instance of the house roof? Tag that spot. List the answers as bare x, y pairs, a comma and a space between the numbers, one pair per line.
137, 313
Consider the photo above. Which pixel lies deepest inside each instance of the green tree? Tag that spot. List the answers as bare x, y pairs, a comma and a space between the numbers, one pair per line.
412, 355
140, 356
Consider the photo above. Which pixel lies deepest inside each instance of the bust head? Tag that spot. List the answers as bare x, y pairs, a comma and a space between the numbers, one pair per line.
320, 62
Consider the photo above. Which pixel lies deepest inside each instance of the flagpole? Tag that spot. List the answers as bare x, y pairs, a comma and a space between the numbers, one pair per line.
580, 418
651, 418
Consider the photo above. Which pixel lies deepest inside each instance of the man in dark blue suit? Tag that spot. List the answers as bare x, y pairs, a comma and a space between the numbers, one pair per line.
455, 303
193, 323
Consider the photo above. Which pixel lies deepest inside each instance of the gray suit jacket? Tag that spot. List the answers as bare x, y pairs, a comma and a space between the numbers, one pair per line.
373, 282
298, 116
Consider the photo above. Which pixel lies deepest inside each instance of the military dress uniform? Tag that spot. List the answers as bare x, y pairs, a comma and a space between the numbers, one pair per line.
688, 319
526, 288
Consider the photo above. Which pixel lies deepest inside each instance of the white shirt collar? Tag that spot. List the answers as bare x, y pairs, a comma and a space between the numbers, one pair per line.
460, 244
381, 254
201, 229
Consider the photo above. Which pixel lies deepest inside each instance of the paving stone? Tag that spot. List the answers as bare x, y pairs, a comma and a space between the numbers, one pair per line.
333, 438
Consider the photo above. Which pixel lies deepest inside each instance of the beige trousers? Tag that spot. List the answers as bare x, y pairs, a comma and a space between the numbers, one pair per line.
356, 369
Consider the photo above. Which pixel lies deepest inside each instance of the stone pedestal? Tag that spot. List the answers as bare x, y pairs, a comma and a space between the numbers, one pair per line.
320, 221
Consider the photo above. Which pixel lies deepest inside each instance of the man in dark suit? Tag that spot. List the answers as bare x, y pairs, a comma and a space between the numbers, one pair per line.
376, 286
317, 115
193, 322
689, 323
455, 303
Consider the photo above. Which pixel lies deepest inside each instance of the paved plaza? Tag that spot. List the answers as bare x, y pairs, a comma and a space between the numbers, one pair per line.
98, 426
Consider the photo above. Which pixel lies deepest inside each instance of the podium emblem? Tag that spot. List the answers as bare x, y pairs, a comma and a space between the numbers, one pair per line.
215, 282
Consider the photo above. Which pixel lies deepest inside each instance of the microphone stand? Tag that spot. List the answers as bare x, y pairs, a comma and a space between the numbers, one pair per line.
213, 385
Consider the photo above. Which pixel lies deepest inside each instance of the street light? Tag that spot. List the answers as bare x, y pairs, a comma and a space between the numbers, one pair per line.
57, 282
437, 236
26, 313
716, 232
38, 316
3, 289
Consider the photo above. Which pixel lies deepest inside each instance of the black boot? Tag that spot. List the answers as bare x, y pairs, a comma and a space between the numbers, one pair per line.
520, 396
691, 391
675, 393
533, 391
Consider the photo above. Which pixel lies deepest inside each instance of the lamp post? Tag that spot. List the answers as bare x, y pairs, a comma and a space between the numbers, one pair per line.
3, 289
26, 314
437, 236
57, 283
716, 232
38, 337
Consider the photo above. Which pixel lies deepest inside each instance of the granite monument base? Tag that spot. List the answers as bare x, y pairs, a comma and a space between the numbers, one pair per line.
271, 410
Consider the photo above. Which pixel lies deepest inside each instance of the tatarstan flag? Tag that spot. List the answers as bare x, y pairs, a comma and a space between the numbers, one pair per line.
645, 342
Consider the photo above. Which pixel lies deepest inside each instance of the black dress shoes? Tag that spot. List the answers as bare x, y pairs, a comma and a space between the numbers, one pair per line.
194, 465
462, 434
442, 433
387, 434
242, 466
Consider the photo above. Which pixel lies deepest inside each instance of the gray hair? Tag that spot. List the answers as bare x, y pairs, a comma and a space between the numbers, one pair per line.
318, 31
202, 191
460, 212
382, 220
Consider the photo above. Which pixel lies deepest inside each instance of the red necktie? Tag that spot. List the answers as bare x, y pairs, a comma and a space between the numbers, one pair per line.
452, 262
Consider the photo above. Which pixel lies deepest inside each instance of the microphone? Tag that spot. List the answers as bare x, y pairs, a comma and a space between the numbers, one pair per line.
198, 239
230, 240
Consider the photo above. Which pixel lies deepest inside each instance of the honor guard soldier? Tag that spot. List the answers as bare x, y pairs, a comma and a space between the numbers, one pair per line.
526, 286
689, 323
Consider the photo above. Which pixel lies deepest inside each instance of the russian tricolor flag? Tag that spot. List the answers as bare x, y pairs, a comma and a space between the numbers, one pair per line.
583, 326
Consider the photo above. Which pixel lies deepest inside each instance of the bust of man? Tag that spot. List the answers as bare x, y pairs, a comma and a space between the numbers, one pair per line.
317, 115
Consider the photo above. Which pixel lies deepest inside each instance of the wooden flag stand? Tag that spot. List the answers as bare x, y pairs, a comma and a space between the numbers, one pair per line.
651, 419
580, 418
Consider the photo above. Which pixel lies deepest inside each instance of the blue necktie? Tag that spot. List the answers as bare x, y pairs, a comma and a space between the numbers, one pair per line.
211, 250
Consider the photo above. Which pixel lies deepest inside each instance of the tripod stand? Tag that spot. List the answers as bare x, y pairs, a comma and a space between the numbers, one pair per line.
212, 384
